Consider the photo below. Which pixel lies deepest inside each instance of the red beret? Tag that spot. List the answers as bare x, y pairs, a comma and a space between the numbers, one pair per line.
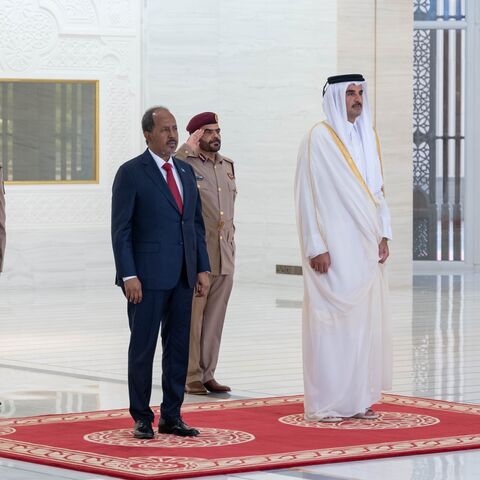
198, 121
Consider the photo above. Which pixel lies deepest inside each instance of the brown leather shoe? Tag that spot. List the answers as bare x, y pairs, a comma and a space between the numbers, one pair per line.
214, 387
195, 388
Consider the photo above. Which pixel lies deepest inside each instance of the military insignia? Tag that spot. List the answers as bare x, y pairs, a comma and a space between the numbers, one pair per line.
231, 176
199, 177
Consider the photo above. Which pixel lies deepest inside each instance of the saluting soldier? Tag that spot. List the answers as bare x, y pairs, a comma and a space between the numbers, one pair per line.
216, 183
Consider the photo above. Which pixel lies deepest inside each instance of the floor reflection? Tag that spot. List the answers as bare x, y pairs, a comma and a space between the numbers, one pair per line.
444, 337
54, 358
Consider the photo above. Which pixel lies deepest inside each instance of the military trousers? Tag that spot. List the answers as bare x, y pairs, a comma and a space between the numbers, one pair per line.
208, 316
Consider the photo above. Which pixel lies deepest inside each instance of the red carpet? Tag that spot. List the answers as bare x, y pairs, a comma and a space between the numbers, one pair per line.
239, 436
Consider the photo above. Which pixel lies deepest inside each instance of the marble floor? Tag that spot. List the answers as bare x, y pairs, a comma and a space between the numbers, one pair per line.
64, 350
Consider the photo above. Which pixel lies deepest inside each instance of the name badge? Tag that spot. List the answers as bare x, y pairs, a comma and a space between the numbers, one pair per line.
199, 177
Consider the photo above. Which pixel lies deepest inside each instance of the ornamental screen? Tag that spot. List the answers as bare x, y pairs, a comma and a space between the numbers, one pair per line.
48, 131
438, 126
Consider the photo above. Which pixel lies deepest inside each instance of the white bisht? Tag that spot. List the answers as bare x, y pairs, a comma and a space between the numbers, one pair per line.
346, 330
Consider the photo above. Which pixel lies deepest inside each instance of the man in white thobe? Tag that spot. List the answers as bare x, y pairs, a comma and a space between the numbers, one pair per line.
343, 225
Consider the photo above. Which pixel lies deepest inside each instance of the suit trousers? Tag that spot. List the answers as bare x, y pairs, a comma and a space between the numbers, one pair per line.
170, 310
208, 316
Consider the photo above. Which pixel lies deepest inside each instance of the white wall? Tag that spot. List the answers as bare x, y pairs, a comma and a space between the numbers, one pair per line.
376, 38
56, 228
261, 66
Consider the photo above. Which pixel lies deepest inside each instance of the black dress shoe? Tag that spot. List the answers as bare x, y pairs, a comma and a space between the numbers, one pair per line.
176, 427
143, 429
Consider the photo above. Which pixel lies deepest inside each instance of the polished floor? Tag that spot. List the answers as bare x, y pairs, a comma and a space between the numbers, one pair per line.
64, 350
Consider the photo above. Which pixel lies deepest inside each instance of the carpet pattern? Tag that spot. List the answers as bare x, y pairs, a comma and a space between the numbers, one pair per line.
238, 436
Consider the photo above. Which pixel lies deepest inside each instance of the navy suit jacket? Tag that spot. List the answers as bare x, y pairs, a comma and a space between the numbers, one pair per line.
150, 238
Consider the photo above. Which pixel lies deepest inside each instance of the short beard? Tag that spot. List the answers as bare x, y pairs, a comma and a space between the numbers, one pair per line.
214, 149
206, 147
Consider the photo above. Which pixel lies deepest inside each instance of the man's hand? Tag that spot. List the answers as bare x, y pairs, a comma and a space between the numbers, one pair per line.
133, 290
321, 263
194, 140
203, 284
383, 252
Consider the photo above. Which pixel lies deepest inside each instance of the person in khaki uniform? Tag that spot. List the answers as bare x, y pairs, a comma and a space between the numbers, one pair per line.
216, 183
3, 235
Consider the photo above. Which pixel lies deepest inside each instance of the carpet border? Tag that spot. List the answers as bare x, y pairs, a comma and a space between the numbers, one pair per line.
374, 451
473, 443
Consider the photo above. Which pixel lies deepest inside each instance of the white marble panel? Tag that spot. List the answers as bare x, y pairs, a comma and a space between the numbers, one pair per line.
87, 39
394, 113
375, 38
54, 257
260, 66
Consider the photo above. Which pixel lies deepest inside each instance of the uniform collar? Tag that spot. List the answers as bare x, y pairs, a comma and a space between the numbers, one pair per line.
218, 158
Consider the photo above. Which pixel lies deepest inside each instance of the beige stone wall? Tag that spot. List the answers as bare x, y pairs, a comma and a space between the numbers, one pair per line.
262, 72
375, 38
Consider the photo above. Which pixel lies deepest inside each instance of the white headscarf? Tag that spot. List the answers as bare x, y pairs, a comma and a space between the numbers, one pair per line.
334, 106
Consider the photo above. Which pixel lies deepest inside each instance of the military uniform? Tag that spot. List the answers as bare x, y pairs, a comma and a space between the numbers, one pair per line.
216, 184
3, 235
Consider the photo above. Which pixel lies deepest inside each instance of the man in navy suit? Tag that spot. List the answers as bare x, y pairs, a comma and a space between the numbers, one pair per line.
158, 239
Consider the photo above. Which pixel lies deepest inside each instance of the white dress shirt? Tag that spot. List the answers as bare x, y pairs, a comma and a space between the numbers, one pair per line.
160, 163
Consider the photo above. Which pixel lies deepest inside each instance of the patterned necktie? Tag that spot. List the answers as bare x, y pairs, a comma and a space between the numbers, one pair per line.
172, 185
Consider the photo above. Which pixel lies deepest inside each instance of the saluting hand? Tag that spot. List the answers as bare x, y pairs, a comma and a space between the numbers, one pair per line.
194, 139
203, 284
321, 263
133, 290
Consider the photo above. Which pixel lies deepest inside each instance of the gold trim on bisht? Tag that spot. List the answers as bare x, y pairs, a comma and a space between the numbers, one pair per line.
349, 160
379, 151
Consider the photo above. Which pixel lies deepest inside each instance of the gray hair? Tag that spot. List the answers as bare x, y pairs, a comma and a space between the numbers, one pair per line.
147, 120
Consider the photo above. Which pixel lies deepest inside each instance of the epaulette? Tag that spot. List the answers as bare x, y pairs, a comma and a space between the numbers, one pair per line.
184, 152
231, 164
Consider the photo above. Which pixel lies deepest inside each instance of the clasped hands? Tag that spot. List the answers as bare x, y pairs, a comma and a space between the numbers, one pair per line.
321, 263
